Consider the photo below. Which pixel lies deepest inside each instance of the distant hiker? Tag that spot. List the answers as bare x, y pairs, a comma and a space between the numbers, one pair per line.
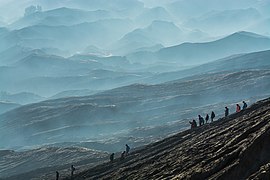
193, 124
112, 157
127, 149
212, 116
226, 111
72, 170
238, 108
57, 175
245, 105
206, 118
201, 120
123, 155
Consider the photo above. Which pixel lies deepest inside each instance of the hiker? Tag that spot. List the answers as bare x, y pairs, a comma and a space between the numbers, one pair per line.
238, 108
245, 105
206, 118
72, 170
127, 149
193, 124
112, 157
57, 175
201, 120
123, 155
226, 111
212, 116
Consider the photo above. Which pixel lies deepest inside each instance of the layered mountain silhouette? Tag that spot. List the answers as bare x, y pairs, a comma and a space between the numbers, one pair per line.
79, 79
184, 54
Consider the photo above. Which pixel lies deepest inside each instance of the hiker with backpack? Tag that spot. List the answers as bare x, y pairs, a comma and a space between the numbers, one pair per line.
193, 124
245, 105
238, 108
201, 120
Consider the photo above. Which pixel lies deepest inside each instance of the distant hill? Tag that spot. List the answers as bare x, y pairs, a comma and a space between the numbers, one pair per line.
21, 98
257, 60
7, 106
60, 16
224, 22
199, 53
16, 53
158, 32
153, 14
75, 38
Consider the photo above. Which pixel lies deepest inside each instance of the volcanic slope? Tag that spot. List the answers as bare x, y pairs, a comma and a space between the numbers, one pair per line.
236, 147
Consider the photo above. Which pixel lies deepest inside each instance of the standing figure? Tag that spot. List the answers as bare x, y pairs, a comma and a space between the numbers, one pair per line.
206, 118
57, 175
127, 149
212, 116
238, 108
72, 168
201, 120
226, 111
112, 157
195, 123
245, 105
191, 124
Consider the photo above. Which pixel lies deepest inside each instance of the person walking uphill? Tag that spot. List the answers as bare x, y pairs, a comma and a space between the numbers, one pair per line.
245, 105
112, 157
238, 108
193, 124
72, 168
226, 111
57, 175
212, 116
201, 120
206, 118
127, 149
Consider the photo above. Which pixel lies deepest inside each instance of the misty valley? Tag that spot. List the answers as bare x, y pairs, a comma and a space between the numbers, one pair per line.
79, 79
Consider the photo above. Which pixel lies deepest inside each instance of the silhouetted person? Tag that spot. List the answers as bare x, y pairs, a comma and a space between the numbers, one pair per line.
201, 120
127, 149
245, 105
206, 118
57, 175
238, 108
193, 124
72, 168
226, 111
212, 116
112, 157
123, 155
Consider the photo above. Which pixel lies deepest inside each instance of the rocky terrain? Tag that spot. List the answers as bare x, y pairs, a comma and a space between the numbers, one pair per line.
235, 147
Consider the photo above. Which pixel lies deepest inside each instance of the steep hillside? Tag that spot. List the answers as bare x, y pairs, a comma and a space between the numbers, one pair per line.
236, 147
